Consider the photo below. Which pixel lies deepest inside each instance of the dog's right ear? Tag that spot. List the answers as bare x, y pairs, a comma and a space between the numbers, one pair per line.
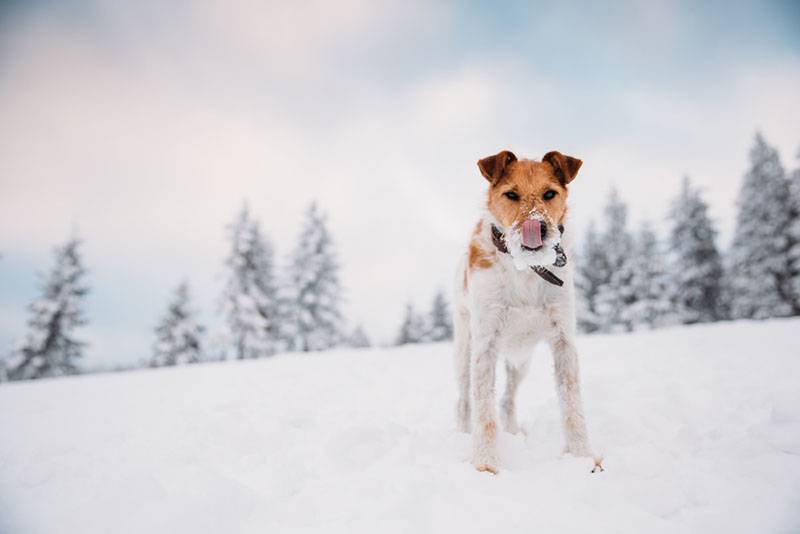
493, 167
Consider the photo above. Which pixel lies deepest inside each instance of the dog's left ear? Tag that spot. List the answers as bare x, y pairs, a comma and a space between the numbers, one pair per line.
566, 167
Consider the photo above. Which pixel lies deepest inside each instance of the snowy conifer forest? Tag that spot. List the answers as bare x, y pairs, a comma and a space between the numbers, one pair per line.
630, 279
626, 279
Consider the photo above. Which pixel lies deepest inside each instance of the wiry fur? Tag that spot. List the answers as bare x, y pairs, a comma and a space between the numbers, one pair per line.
499, 309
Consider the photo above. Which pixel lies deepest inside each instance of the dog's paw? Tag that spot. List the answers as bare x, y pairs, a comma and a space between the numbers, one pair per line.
486, 461
486, 468
484, 448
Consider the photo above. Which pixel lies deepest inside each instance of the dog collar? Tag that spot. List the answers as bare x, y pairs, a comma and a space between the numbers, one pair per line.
499, 241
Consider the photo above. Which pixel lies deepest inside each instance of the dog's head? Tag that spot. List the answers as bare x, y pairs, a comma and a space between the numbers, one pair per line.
527, 198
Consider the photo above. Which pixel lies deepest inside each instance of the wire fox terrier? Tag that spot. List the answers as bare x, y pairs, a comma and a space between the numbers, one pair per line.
514, 289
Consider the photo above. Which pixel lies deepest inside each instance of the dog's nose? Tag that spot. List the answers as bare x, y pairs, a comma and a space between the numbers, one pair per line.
543, 230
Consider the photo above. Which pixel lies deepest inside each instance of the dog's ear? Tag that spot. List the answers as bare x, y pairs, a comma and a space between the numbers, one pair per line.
493, 167
566, 167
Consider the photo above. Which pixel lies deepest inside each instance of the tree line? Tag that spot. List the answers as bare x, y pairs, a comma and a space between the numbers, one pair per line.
624, 280
627, 280
265, 311
431, 327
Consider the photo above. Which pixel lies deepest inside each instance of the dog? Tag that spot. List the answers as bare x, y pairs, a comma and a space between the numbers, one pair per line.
514, 289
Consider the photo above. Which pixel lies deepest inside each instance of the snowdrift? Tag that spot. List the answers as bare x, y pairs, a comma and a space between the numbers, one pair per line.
699, 427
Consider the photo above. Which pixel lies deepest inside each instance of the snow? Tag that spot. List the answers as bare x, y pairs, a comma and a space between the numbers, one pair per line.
699, 427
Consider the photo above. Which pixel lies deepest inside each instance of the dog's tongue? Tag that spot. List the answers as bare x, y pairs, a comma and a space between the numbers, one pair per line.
532, 233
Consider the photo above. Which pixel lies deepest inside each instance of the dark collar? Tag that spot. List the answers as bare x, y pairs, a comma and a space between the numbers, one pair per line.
499, 241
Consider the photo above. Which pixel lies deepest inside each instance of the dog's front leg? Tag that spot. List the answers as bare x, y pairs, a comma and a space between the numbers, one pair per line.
565, 358
484, 429
485, 325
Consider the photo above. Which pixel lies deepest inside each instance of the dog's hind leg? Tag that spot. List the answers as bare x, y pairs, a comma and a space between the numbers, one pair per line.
462, 367
508, 406
565, 358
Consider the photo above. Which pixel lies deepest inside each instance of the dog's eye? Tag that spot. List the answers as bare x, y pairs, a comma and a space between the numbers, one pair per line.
511, 195
549, 195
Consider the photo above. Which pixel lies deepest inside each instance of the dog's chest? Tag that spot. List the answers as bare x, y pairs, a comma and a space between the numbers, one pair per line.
528, 304
524, 289
523, 328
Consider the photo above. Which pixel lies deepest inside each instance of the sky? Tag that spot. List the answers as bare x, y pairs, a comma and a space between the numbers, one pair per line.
142, 127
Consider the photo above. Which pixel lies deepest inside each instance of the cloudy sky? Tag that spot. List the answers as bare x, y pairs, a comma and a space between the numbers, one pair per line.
143, 126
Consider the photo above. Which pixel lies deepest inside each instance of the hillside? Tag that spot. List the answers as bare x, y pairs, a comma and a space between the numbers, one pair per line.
699, 427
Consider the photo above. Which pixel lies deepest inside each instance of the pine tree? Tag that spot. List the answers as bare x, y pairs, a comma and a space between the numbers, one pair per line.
315, 288
615, 294
651, 306
413, 328
250, 300
358, 339
591, 274
793, 233
50, 347
696, 271
760, 254
178, 334
440, 322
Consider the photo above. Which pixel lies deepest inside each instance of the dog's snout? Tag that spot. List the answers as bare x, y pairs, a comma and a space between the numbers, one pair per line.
542, 234
534, 233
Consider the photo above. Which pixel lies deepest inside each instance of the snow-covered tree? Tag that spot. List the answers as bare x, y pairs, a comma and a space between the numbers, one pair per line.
615, 294
696, 272
178, 334
50, 347
651, 304
358, 339
412, 330
250, 300
315, 288
440, 321
760, 253
591, 273
793, 233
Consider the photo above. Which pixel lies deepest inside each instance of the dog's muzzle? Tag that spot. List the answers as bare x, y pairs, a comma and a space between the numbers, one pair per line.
533, 232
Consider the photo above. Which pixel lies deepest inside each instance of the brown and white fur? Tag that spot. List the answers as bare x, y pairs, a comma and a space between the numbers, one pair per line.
500, 309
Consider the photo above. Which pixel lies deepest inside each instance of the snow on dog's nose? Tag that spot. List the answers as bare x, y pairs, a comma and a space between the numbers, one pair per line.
532, 231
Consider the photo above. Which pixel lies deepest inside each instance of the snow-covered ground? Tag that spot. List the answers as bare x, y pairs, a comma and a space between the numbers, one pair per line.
699, 427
